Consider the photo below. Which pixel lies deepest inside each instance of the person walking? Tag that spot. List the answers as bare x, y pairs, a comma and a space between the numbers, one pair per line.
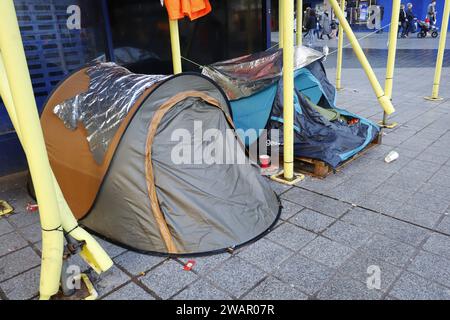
410, 17
326, 26
310, 26
403, 21
431, 13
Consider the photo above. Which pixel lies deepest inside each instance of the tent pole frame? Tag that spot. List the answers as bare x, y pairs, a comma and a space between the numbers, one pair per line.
440, 56
383, 100
339, 52
389, 82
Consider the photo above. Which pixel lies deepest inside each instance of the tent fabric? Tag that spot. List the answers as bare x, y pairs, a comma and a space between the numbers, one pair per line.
139, 196
321, 130
194, 9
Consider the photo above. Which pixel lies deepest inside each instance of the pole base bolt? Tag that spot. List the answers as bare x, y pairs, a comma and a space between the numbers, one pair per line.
298, 177
433, 98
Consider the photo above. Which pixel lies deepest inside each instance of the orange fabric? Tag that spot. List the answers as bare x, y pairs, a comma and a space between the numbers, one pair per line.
178, 9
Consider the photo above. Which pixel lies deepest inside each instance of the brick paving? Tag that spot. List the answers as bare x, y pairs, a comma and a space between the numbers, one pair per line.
392, 216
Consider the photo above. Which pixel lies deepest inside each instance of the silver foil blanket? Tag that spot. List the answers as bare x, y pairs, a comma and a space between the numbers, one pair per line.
244, 76
113, 90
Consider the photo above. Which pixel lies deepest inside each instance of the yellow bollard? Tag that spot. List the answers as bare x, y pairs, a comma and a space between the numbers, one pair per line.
339, 52
280, 23
288, 176
440, 55
299, 35
384, 101
175, 44
393, 33
15, 64
91, 252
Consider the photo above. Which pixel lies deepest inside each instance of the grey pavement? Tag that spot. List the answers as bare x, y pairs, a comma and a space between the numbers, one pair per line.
335, 234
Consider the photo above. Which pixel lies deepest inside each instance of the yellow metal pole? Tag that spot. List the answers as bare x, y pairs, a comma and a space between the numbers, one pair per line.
339, 52
280, 23
22, 93
299, 35
175, 44
440, 55
393, 32
288, 89
91, 252
384, 101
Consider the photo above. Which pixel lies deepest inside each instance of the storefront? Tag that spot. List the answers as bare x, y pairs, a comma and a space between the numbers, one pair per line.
62, 35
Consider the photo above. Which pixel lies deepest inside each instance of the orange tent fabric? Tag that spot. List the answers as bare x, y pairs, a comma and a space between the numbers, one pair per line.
194, 9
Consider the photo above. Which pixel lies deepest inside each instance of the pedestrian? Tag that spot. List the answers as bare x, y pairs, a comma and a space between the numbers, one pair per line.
326, 26
410, 17
306, 17
318, 29
310, 26
431, 13
403, 21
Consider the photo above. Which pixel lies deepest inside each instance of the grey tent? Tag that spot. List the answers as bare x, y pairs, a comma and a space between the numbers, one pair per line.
110, 139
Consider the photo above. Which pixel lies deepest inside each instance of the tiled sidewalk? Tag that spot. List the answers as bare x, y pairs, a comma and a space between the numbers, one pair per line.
392, 216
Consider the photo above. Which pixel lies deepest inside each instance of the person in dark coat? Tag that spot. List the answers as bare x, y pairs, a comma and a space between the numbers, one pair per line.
310, 26
410, 17
431, 12
403, 21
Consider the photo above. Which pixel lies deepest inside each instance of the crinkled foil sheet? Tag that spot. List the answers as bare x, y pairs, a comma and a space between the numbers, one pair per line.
113, 90
244, 76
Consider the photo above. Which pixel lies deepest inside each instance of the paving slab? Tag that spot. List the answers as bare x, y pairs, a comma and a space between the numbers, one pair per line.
345, 288
206, 264
432, 267
274, 289
11, 242
130, 291
17, 262
202, 290
391, 251
108, 280
137, 263
168, 279
347, 234
390, 227
5, 227
312, 220
236, 276
304, 274
22, 287
291, 236
317, 202
412, 287
289, 209
438, 244
327, 252
265, 254
361, 266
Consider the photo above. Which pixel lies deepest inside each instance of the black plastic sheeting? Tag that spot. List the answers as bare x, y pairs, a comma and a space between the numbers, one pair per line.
319, 138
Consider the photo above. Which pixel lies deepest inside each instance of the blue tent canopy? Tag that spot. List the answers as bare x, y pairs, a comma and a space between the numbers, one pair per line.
322, 131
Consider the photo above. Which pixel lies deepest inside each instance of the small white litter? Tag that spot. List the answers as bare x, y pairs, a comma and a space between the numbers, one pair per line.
392, 156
